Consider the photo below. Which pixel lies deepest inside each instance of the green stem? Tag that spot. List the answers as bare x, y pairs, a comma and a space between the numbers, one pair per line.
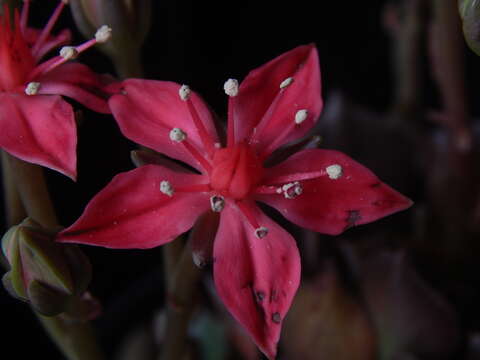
181, 297
31, 186
14, 210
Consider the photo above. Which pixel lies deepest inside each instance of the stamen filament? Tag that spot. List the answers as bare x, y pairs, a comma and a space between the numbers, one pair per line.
248, 214
48, 28
59, 60
267, 190
298, 177
202, 131
277, 141
24, 15
231, 121
196, 154
266, 118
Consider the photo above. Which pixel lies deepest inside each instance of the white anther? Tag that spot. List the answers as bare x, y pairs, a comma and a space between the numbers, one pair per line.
217, 145
166, 188
261, 232
103, 34
279, 190
231, 87
292, 190
334, 171
217, 203
32, 88
184, 92
68, 52
286, 82
301, 116
177, 135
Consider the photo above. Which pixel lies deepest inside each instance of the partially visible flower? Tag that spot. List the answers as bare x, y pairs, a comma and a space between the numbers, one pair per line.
256, 262
37, 124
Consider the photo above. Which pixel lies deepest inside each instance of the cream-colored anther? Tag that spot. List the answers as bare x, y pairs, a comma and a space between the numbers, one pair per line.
68, 52
217, 203
286, 82
177, 135
301, 116
334, 171
292, 190
103, 34
166, 188
261, 232
32, 88
231, 87
184, 92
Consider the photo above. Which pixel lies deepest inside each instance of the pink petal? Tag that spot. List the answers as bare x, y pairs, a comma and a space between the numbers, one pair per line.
147, 110
132, 212
329, 205
78, 82
262, 86
39, 129
256, 278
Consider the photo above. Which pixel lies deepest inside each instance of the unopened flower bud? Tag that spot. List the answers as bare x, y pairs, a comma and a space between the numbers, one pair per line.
42, 272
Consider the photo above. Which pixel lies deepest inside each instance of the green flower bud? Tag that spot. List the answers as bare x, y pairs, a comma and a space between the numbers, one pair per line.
42, 272
470, 14
130, 21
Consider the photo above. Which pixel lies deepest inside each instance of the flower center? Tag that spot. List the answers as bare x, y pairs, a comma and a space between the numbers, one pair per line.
236, 171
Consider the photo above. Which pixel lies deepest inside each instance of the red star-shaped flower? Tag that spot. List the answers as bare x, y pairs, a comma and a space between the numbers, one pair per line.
256, 262
37, 125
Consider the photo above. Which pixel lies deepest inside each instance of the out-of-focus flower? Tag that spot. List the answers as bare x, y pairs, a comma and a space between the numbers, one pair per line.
46, 274
37, 125
256, 262
470, 14
131, 20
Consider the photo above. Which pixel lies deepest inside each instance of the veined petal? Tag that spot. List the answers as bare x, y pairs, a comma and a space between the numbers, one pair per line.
344, 193
261, 87
147, 110
132, 212
39, 129
256, 278
78, 82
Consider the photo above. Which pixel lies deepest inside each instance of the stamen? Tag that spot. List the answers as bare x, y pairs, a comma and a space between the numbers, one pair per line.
292, 190
301, 116
24, 15
178, 135
217, 203
167, 188
32, 88
266, 189
231, 87
68, 52
334, 171
196, 154
103, 34
48, 28
298, 177
248, 214
184, 92
286, 82
261, 232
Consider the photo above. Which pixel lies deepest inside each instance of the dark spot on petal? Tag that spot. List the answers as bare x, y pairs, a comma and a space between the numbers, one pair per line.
276, 318
376, 185
353, 218
260, 295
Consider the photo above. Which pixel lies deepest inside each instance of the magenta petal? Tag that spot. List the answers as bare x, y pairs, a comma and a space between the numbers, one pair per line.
330, 205
262, 86
148, 110
78, 82
39, 129
256, 278
132, 212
